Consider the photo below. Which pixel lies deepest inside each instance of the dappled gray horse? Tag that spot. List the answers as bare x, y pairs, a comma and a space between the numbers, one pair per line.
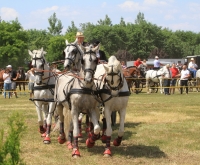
114, 93
43, 92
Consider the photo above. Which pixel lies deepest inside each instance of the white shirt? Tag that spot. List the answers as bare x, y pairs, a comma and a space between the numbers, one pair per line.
167, 72
192, 65
184, 73
156, 63
8, 79
31, 77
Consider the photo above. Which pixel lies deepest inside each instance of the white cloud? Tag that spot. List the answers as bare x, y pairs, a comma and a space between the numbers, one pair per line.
154, 2
183, 26
131, 6
169, 17
104, 4
8, 14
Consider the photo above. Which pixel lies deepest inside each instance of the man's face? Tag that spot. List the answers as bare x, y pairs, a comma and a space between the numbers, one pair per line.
80, 39
10, 69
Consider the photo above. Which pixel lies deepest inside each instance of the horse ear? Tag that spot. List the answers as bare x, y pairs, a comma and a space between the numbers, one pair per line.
30, 53
76, 41
106, 67
44, 52
96, 48
66, 42
42, 49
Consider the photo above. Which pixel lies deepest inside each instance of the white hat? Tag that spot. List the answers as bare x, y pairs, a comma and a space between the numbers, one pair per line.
156, 57
79, 34
9, 66
192, 58
167, 65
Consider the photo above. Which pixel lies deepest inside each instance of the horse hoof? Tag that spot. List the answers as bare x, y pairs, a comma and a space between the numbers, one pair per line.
43, 135
116, 143
107, 152
69, 145
47, 140
103, 138
61, 141
89, 144
75, 153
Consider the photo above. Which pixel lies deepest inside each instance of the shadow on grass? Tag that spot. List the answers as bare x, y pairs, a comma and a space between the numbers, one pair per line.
135, 151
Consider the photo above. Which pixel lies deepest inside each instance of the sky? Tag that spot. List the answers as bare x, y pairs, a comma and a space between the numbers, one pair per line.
172, 14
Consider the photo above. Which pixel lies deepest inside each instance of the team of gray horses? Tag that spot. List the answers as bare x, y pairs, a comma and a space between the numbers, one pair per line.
81, 87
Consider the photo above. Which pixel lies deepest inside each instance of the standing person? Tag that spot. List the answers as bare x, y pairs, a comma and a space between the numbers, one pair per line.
31, 78
192, 67
175, 75
100, 54
157, 63
185, 74
7, 82
14, 77
167, 78
137, 62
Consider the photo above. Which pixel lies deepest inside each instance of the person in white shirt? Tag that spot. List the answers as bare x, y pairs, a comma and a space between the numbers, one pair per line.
7, 83
185, 74
192, 67
31, 78
167, 78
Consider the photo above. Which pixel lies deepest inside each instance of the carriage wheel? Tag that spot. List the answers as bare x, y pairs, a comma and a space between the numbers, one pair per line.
154, 87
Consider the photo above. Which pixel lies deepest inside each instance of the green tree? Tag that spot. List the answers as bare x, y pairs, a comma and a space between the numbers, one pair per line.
55, 25
13, 44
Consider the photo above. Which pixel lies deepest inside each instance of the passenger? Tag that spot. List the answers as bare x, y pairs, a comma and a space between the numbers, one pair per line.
157, 63
137, 62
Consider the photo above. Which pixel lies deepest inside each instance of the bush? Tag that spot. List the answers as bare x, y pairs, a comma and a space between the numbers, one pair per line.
10, 147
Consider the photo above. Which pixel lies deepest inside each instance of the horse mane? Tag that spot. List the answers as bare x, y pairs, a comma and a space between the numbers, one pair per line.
131, 67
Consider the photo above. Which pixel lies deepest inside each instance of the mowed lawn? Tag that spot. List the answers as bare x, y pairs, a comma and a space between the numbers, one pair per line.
159, 130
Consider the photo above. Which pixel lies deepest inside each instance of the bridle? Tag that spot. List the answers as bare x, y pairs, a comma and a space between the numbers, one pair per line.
41, 73
92, 71
73, 52
112, 74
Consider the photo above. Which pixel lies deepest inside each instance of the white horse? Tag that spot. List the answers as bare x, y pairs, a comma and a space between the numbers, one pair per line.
73, 55
43, 92
154, 77
77, 94
114, 92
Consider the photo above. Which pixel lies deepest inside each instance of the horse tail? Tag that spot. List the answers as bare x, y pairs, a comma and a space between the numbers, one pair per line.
67, 121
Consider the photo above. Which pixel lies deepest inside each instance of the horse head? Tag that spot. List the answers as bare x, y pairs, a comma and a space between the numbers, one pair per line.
38, 62
113, 73
89, 63
72, 54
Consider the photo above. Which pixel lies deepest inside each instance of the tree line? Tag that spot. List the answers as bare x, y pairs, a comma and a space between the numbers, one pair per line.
127, 41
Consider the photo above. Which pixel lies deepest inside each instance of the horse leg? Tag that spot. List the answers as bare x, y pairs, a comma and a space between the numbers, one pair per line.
96, 133
103, 137
80, 136
40, 122
161, 86
107, 151
147, 85
45, 114
61, 137
118, 140
47, 139
74, 113
24, 87
87, 121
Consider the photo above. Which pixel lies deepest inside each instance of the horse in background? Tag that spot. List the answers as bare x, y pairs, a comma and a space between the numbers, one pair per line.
21, 80
131, 75
1, 79
155, 76
114, 94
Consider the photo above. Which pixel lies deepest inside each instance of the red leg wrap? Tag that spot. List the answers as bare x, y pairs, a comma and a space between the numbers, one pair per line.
47, 140
60, 140
89, 144
107, 151
75, 152
69, 145
103, 138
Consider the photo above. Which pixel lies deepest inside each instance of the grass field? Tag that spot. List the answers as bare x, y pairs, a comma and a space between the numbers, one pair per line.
159, 129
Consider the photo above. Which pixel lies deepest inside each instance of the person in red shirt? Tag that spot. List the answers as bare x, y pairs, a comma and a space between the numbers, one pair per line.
137, 62
175, 74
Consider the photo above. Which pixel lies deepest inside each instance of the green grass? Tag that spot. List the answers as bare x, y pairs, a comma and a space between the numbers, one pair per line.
159, 129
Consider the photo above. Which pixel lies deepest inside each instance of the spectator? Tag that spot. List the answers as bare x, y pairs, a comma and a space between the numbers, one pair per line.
7, 82
157, 63
101, 54
192, 67
175, 74
14, 77
123, 65
31, 78
167, 78
185, 74
137, 62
